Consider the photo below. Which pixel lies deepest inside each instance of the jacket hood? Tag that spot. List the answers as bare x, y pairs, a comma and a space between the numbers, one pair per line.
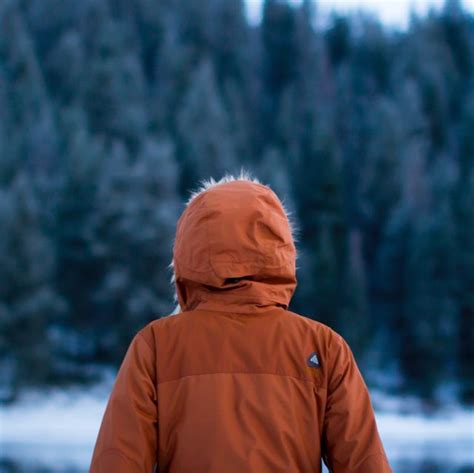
234, 249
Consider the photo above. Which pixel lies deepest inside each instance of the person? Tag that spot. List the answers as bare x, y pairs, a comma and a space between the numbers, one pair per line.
233, 381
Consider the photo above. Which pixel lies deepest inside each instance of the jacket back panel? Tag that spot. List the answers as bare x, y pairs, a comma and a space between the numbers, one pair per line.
243, 381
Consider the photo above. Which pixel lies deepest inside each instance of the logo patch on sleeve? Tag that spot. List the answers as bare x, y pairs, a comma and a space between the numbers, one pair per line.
313, 361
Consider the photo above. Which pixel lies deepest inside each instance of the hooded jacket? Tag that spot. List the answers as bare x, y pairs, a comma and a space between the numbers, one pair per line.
235, 382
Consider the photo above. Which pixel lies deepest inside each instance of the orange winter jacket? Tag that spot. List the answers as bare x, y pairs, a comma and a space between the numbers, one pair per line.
235, 382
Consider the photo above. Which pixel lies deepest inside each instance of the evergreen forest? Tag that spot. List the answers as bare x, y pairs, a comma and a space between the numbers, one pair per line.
112, 111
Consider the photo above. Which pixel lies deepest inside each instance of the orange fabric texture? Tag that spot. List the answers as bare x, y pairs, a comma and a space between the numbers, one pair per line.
227, 385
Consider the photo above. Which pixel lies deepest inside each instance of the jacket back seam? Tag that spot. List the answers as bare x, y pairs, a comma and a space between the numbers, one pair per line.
306, 380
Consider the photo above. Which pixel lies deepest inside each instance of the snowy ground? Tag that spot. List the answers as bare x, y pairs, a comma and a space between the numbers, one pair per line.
57, 431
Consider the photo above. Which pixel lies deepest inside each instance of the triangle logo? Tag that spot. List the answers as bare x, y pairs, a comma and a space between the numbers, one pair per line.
313, 360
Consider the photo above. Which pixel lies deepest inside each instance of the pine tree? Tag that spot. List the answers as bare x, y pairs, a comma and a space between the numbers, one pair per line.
319, 195
172, 66
430, 308
230, 41
391, 266
134, 224
464, 215
65, 69
77, 272
30, 307
29, 123
278, 36
338, 38
206, 142
114, 95
379, 184
355, 319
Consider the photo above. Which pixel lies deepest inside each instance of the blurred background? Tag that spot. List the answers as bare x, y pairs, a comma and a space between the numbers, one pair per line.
360, 115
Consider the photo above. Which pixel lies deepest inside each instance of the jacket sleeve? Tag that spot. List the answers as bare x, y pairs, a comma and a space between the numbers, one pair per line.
351, 442
127, 439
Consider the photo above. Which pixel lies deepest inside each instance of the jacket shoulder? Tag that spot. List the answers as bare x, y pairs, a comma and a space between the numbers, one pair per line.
314, 325
330, 343
165, 322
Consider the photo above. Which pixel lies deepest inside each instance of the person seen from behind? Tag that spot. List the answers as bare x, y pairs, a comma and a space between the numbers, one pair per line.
234, 381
